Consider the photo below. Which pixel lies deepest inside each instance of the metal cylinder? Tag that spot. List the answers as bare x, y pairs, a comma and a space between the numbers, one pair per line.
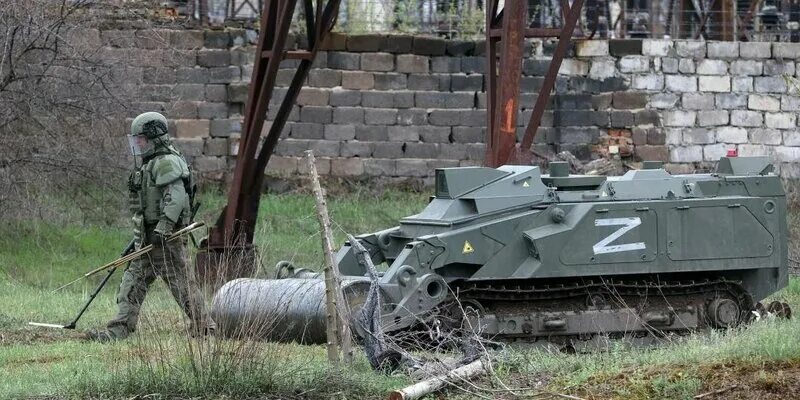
282, 310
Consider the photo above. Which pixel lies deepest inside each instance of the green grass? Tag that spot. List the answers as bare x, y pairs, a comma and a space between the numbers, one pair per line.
36, 257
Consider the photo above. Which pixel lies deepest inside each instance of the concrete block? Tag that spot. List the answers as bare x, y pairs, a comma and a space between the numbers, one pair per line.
445, 64
664, 100
690, 48
320, 115
356, 149
306, 130
404, 99
397, 44
412, 168
648, 82
444, 100
746, 150
206, 110
326, 78
731, 134
686, 154
573, 67
344, 61
421, 150
377, 99
791, 138
747, 67
535, 66
646, 117
215, 147
423, 82
629, 100
224, 74
634, 64
787, 154
325, 148
225, 127
209, 164
790, 103
780, 120
466, 83
411, 63
453, 151
186, 39
621, 119
679, 118
446, 117
348, 115
387, 149
591, 48
657, 47
434, 134
602, 69
624, 47
458, 48
192, 147
195, 75
217, 39
310, 96
698, 136
713, 152
357, 80
712, 67
285, 166
674, 136
697, 101
786, 50
779, 67
380, 167
189, 92
216, 93
373, 133
380, 116
652, 153
340, 132
762, 102
769, 84
765, 136
429, 46
377, 62
742, 84
718, 84
412, 116
712, 118
746, 118
403, 133
191, 128
686, 66
723, 50
755, 50
679, 83
159, 75
213, 58
670, 65
182, 110
339, 97
364, 42
473, 65
390, 81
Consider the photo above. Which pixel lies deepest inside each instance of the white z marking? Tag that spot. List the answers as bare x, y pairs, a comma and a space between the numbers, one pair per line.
602, 246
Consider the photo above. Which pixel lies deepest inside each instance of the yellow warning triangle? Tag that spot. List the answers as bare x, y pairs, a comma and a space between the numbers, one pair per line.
467, 248
525, 184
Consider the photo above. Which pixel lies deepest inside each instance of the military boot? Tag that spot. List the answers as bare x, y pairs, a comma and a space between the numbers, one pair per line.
100, 336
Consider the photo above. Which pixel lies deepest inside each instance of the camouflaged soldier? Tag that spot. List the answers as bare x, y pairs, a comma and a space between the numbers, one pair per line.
160, 201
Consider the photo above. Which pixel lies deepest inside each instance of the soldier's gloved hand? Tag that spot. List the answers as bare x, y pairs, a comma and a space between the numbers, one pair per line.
162, 231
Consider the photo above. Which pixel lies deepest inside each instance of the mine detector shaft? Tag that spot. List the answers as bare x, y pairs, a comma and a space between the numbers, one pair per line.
506, 29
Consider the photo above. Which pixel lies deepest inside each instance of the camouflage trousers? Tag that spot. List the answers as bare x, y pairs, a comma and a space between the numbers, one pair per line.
169, 263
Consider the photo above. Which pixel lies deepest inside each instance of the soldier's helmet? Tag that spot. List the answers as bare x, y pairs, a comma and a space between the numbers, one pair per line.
148, 130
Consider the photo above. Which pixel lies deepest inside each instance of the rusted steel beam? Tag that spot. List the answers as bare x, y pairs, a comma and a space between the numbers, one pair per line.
236, 225
523, 153
491, 80
506, 93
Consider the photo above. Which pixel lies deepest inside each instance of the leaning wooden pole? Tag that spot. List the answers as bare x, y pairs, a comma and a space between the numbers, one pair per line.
336, 329
423, 388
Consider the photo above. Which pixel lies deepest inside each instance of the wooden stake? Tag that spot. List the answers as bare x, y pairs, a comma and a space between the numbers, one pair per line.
427, 386
336, 328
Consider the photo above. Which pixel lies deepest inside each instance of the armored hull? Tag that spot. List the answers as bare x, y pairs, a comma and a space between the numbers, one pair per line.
566, 257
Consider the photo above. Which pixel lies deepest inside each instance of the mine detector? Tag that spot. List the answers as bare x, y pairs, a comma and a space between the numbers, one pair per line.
537, 256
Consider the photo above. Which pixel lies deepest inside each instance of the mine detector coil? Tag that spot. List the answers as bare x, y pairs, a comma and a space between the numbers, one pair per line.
565, 258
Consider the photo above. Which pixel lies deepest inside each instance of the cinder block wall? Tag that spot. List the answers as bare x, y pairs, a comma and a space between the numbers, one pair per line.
401, 106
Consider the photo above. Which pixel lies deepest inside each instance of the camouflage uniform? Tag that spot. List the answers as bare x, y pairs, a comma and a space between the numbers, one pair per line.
160, 204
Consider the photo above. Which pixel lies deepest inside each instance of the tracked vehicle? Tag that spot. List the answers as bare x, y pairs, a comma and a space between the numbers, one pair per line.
558, 257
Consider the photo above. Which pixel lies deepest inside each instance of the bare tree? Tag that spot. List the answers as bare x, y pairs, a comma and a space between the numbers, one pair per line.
58, 104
